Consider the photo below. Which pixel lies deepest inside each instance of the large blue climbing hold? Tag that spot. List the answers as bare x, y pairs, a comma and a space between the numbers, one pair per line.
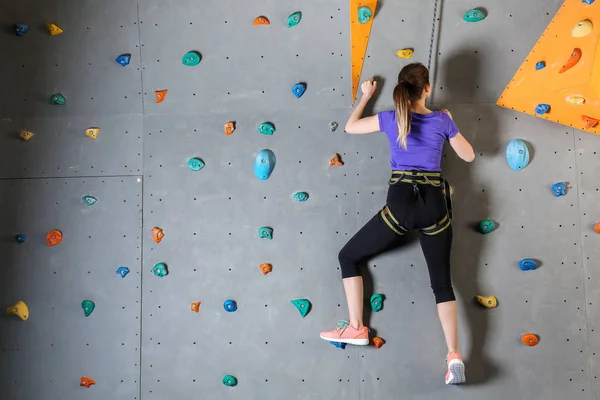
559, 189
540, 65
230, 306
517, 154
264, 164
588, 1
542, 109
339, 345
298, 89
20, 29
527, 264
123, 59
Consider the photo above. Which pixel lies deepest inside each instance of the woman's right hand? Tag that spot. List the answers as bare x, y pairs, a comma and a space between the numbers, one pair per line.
368, 88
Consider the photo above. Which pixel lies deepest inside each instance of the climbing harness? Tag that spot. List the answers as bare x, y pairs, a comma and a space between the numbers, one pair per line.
420, 178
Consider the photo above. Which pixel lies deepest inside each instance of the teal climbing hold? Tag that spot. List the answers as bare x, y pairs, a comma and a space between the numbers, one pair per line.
265, 232
58, 99
294, 19
160, 269
88, 307
89, 200
302, 305
195, 164
376, 302
266, 128
229, 380
264, 164
191, 58
301, 196
486, 226
364, 14
474, 15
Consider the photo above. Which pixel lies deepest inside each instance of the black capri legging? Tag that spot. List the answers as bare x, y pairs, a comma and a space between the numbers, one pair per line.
415, 206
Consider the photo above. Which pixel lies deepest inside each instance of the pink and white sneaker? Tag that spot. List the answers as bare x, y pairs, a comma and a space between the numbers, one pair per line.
456, 368
346, 333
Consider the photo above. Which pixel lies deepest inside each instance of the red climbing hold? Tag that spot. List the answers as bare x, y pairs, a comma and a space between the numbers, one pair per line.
229, 128
195, 307
377, 341
160, 95
87, 382
530, 339
54, 237
572, 61
589, 121
336, 161
262, 20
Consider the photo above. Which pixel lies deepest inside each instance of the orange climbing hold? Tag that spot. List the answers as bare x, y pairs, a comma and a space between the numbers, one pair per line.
377, 341
359, 39
336, 160
262, 20
589, 121
160, 95
229, 128
92, 132
87, 382
266, 268
597, 228
530, 339
572, 61
54, 237
195, 307
157, 234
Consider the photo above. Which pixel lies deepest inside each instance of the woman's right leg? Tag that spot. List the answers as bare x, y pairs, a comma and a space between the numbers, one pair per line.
372, 239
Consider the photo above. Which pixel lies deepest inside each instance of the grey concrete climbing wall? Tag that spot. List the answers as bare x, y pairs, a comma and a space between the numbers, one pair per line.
143, 341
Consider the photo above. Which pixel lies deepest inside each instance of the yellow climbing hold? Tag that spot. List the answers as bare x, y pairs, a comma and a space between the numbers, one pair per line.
487, 301
54, 29
92, 132
405, 53
19, 309
25, 135
576, 100
583, 28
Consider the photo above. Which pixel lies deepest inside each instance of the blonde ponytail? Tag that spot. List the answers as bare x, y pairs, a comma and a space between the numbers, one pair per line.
402, 102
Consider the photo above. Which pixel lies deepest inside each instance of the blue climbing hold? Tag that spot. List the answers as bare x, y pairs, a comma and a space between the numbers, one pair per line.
517, 154
123, 271
265, 232
587, 1
195, 164
21, 238
542, 109
527, 264
123, 59
264, 164
301, 196
230, 306
559, 189
540, 65
298, 89
89, 200
339, 345
20, 29
266, 128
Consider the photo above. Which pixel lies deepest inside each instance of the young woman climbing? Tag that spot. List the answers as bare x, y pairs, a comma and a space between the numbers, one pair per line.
416, 199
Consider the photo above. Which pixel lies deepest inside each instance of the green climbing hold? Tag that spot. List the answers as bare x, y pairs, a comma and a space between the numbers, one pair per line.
376, 302
58, 99
191, 58
364, 14
486, 226
266, 128
88, 307
301, 196
229, 380
474, 15
160, 270
302, 305
294, 19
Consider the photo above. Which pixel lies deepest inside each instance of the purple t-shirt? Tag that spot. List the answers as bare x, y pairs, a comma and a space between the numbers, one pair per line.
425, 141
